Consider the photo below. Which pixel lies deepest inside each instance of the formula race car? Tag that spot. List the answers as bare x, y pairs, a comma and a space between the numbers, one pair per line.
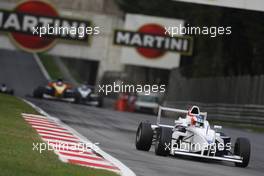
4, 89
58, 90
191, 136
85, 95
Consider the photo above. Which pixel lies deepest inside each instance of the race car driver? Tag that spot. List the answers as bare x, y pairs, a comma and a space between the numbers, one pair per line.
194, 118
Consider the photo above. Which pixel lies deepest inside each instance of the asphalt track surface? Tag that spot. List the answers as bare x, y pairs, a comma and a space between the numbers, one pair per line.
115, 131
20, 71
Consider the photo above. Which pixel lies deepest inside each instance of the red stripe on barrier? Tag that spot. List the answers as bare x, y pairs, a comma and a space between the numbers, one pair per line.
82, 156
60, 139
45, 136
66, 144
91, 164
71, 150
45, 126
48, 126
55, 131
40, 122
59, 135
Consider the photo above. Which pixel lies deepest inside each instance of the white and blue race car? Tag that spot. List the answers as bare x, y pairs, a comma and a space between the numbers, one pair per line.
191, 136
85, 94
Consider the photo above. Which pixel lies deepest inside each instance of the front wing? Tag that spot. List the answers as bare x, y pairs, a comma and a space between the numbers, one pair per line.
230, 158
46, 96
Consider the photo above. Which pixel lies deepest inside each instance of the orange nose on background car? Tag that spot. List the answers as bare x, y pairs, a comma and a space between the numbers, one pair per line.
59, 89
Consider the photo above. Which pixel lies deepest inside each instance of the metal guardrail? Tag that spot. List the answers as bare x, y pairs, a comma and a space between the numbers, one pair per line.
230, 90
233, 113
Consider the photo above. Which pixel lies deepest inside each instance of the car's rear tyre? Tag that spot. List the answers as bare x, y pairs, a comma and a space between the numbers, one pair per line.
144, 136
77, 97
242, 148
163, 143
100, 102
38, 92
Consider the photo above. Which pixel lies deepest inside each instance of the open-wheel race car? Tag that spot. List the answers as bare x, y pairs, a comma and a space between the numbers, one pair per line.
85, 94
6, 90
58, 90
191, 136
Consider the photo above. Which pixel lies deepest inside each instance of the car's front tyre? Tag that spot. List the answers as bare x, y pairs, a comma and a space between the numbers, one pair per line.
242, 148
163, 143
38, 92
144, 136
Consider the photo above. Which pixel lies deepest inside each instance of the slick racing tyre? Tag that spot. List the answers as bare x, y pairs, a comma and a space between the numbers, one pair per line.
242, 148
163, 143
144, 136
77, 97
38, 93
100, 102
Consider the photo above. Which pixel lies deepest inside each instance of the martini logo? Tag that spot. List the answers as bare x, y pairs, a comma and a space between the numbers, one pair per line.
24, 22
151, 42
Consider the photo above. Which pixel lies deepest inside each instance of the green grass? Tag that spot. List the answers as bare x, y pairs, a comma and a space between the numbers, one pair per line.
51, 66
16, 142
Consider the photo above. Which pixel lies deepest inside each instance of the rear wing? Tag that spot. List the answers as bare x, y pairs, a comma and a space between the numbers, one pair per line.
180, 111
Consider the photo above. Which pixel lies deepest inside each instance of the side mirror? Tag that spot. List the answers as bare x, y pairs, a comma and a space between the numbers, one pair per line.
217, 127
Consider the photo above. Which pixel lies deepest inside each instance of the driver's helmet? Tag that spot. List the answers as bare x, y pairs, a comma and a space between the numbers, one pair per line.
194, 110
59, 82
84, 87
196, 118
